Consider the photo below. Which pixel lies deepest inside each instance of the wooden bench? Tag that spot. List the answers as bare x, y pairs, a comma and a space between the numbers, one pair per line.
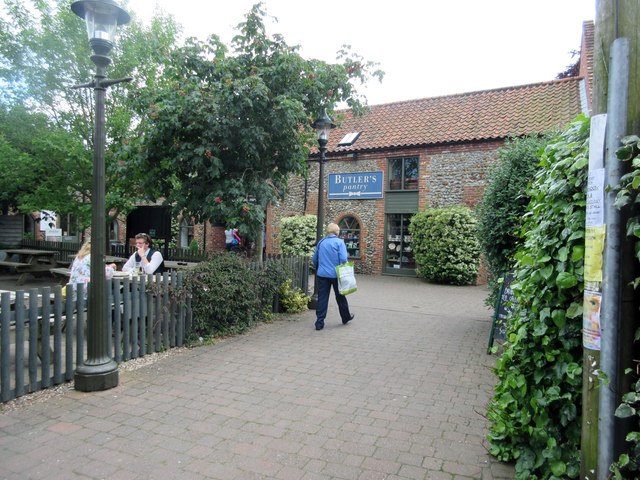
15, 265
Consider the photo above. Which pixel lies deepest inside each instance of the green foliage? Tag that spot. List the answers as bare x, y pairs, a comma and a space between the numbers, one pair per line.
445, 245
298, 235
233, 123
273, 274
536, 408
293, 300
44, 51
628, 193
193, 245
504, 204
229, 297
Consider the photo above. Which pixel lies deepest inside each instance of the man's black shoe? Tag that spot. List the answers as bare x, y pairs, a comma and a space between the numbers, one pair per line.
319, 325
344, 322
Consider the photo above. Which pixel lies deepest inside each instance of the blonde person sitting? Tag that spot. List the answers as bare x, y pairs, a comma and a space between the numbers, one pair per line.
81, 268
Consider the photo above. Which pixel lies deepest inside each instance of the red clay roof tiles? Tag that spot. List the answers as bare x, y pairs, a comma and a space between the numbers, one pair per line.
467, 117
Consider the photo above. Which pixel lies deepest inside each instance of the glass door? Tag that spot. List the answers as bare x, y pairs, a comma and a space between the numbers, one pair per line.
398, 251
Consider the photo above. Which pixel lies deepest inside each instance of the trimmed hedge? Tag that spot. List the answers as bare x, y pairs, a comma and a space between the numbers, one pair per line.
229, 297
298, 235
445, 245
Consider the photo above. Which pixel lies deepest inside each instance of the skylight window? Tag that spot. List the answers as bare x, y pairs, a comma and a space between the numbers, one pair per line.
349, 139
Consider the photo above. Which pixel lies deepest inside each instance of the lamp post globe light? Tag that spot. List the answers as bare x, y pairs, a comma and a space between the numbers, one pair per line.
99, 371
323, 125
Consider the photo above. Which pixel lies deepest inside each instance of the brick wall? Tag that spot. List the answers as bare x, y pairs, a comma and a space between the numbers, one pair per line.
449, 175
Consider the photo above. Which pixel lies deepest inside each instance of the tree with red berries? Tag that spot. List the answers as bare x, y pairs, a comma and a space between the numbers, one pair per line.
229, 126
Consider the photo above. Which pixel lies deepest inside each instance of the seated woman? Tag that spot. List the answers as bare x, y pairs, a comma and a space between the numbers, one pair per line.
81, 268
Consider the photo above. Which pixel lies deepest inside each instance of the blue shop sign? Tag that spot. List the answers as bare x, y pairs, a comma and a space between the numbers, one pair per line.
357, 185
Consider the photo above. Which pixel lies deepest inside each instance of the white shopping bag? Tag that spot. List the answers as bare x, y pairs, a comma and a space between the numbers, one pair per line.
346, 278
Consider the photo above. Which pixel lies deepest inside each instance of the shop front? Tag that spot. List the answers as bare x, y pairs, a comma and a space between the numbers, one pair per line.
399, 258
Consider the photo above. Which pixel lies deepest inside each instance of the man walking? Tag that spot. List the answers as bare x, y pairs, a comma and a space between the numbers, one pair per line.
329, 253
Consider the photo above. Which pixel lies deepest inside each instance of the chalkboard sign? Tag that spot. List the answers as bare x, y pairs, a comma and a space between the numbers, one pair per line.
504, 306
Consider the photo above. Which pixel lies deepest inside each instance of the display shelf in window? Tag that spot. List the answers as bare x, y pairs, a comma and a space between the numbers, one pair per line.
399, 251
351, 234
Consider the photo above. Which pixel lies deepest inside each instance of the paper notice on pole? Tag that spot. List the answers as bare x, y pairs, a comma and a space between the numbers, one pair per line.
595, 185
594, 236
595, 198
591, 320
593, 248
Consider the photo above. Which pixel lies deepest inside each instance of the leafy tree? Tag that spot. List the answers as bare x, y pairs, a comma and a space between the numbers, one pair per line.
44, 52
41, 166
444, 245
221, 137
536, 408
504, 204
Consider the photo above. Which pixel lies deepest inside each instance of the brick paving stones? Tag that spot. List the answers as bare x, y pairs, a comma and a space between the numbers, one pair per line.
399, 393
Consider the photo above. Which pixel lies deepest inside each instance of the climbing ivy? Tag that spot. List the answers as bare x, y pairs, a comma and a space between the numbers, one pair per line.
628, 192
536, 408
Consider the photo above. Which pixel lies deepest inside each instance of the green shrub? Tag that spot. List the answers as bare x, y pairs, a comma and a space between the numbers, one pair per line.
445, 245
193, 245
628, 193
536, 408
504, 204
227, 295
271, 278
293, 300
298, 235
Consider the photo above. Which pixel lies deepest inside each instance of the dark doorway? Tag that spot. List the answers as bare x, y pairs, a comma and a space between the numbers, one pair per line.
154, 221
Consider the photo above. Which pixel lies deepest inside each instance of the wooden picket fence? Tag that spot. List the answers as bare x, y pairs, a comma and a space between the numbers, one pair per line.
42, 334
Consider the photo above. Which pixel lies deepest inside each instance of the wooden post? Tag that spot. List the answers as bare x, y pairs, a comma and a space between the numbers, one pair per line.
614, 19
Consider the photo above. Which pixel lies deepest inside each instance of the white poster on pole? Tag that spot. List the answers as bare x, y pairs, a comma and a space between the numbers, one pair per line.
594, 236
595, 185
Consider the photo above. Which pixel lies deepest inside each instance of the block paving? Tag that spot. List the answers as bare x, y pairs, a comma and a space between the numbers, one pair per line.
399, 393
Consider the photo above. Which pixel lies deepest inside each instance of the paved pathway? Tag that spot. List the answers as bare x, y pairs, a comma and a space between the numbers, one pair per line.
399, 393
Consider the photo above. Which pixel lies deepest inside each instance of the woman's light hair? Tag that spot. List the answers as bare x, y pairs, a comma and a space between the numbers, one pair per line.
85, 249
333, 228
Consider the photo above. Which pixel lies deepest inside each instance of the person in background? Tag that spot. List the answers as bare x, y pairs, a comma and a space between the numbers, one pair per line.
81, 268
145, 257
329, 253
231, 239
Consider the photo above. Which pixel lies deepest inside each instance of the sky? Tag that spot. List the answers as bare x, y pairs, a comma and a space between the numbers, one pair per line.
426, 48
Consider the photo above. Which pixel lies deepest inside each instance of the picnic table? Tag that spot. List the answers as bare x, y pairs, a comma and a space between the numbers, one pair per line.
172, 265
107, 259
32, 262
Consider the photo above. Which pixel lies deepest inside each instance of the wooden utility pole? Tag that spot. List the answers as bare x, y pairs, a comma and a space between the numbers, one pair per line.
601, 446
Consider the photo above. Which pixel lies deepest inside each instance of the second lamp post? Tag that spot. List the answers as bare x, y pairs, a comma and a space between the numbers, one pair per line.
323, 126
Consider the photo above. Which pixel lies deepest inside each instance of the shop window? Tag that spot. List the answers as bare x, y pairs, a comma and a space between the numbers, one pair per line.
351, 234
403, 173
399, 251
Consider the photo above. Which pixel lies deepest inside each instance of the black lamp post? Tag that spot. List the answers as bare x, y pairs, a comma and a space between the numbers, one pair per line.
99, 371
323, 126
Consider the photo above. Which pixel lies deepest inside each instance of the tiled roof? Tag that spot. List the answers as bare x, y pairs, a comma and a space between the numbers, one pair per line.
467, 117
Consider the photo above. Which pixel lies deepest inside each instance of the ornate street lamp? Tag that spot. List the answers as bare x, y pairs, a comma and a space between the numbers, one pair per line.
99, 371
323, 126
